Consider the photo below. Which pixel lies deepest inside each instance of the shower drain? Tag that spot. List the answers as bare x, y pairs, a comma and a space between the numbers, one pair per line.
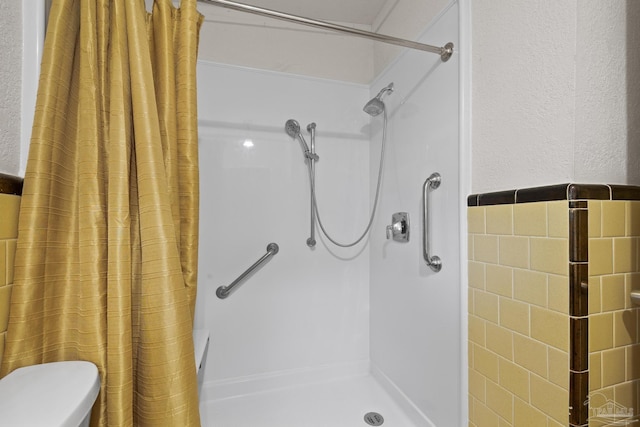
373, 419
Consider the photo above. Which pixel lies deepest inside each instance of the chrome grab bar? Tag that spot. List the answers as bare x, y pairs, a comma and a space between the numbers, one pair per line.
431, 183
224, 291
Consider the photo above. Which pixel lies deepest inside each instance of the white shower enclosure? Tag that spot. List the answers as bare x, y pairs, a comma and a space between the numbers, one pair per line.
323, 315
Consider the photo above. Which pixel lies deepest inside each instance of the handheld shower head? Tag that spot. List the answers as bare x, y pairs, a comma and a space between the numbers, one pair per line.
375, 106
292, 128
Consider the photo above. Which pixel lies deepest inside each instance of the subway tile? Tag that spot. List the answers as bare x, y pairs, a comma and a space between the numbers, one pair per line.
550, 399
558, 298
477, 385
5, 298
514, 378
633, 362
3, 336
514, 315
514, 251
632, 283
600, 332
486, 306
486, 363
3, 263
9, 206
530, 219
558, 218
476, 220
525, 415
550, 255
499, 280
625, 327
595, 219
595, 296
613, 367
530, 354
613, 219
578, 235
632, 225
625, 254
476, 275
558, 367
499, 340
477, 330
550, 327
530, 287
578, 289
578, 394
626, 396
485, 248
470, 250
484, 417
499, 219
579, 332
600, 256
500, 401
11, 256
612, 292
595, 370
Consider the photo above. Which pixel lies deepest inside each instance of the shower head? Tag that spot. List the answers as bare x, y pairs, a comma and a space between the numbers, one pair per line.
292, 128
375, 106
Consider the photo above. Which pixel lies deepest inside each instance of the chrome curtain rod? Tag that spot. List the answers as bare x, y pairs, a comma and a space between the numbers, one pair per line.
444, 52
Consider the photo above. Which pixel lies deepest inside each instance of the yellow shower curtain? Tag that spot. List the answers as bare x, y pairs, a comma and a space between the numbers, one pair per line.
106, 258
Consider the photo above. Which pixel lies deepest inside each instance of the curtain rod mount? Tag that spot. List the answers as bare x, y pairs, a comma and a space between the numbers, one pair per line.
444, 52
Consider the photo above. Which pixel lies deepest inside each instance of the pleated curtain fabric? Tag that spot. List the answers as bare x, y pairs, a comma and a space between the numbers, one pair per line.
106, 261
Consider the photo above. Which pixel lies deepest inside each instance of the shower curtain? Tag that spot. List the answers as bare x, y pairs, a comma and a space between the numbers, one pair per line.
105, 268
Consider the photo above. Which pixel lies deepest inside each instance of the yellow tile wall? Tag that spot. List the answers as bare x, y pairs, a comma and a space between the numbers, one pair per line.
519, 315
614, 341
9, 208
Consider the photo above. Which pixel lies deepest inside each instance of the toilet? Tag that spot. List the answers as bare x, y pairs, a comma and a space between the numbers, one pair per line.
57, 394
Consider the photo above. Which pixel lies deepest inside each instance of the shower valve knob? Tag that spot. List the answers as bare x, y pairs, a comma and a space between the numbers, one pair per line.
399, 228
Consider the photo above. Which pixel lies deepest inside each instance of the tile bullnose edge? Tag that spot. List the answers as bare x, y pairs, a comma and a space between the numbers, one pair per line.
549, 193
10, 184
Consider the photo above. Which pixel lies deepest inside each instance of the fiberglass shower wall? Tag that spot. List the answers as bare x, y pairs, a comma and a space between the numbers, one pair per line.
415, 313
313, 314
306, 311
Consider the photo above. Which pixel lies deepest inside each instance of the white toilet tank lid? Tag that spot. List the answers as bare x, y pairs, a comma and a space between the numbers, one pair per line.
57, 394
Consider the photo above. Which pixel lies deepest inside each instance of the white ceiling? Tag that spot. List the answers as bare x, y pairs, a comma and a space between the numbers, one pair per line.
348, 11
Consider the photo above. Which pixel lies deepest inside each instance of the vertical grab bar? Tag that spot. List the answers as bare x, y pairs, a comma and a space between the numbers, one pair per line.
431, 183
311, 128
224, 291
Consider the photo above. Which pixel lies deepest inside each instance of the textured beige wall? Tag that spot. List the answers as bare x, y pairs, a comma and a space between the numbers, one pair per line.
555, 93
10, 81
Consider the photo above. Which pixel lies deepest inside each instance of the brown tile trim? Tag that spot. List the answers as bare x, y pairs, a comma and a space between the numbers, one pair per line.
578, 394
10, 184
579, 332
550, 193
578, 235
497, 198
578, 290
625, 192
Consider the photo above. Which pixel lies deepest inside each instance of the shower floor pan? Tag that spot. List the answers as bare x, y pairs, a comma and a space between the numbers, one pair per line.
334, 403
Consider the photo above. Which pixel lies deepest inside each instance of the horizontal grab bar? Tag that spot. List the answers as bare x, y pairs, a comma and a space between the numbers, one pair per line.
224, 291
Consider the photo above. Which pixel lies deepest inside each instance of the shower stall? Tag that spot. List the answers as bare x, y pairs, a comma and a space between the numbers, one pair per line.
322, 335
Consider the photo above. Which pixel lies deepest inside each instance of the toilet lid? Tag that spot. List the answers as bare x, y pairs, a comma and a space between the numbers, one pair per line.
58, 394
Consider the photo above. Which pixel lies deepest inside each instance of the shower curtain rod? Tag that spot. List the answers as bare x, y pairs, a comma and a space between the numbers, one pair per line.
444, 52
